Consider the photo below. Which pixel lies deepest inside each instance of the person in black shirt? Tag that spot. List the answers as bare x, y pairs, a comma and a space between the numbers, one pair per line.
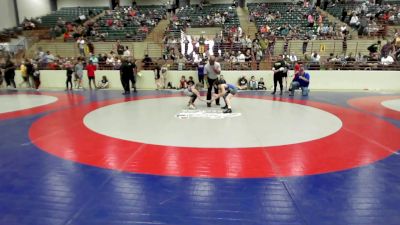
70, 71
157, 76
190, 81
147, 61
280, 69
127, 72
9, 73
29, 71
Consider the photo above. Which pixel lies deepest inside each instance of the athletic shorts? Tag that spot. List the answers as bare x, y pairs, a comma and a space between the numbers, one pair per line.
231, 91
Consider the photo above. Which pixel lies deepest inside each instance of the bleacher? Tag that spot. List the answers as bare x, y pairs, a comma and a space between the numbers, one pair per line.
130, 30
70, 14
373, 11
191, 17
295, 18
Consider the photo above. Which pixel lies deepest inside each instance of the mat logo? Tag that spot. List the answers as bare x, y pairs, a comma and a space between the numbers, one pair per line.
207, 114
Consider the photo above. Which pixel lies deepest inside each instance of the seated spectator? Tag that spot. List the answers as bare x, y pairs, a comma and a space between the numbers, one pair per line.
354, 21
343, 30
293, 58
253, 83
182, 83
221, 79
190, 81
147, 61
242, 83
315, 58
104, 83
127, 53
300, 80
387, 60
374, 48
261, 84
241, 58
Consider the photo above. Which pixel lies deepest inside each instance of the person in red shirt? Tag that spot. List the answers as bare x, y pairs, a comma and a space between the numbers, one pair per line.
296, 68
91, 74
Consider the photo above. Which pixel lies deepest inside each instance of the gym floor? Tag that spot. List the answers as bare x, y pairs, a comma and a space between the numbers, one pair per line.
97, 157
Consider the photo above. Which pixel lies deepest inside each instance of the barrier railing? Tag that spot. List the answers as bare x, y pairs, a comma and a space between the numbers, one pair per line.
247, 66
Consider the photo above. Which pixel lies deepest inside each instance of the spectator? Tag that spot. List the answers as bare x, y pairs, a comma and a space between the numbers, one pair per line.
387, 60
182, 83
127, 53
69, 68
221, 80
157, 76
91, 69
241, 58
147, 61
261, 84
293, 58
36, 77
200, 72
9, 73
78, 74
253, 83
164, 81
374, 48
24, 74
190, 81
81, 46
354, 21
315, 58
243, 83
94, 59
104, 83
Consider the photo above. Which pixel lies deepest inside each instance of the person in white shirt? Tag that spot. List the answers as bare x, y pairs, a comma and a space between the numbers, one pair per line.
211, 72
387, 60
81, 46
190, 44
315, 57
127, 53
293, 57
210, 46
343, 30
354, 21
241, 58
240, 31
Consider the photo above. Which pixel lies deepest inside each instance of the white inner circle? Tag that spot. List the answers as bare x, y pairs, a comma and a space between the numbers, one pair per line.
261, 123
392, 104
11, 103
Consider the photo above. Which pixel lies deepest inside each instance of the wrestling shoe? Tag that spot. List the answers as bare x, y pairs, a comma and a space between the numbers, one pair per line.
192, 107
228, 111
225, 107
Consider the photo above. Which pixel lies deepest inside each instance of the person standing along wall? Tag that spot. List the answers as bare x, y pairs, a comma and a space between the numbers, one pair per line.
9, 73
91, 69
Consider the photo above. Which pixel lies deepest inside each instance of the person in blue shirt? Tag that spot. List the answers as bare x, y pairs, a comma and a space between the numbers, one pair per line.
227, 91
200, 71
301, 80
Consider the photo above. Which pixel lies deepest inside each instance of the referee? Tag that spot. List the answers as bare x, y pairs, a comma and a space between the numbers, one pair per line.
211, 72
127, 73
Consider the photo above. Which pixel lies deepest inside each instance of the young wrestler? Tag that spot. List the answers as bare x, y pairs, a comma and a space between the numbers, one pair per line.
193, 92
227, 91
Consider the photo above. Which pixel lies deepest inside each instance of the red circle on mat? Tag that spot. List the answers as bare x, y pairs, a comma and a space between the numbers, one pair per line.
62, 100
355, 144
374, 105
